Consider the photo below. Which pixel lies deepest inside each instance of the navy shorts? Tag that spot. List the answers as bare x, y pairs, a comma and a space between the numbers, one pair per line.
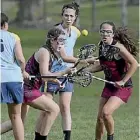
12, 92
53, 87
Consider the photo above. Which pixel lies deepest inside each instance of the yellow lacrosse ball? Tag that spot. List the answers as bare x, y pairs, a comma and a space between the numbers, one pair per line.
84, 32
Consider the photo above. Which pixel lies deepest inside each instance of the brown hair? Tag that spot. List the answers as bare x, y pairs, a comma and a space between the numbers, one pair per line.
121, 34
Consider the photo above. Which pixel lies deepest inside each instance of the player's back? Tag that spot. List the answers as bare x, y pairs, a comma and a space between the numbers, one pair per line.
7, 49
9, 65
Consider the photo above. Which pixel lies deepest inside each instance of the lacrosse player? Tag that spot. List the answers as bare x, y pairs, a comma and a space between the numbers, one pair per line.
70, 13
39, 64
12, 61
118, 68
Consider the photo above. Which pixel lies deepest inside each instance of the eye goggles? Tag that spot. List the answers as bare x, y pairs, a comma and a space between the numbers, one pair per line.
108, 32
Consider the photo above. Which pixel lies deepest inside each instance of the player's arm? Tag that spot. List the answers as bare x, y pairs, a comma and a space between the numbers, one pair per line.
43, 59
69, 59
91, 60
19, 55
128, 58
96, 67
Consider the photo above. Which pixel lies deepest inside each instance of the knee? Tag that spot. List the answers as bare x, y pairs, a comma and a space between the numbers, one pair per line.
106, 113
64, 108
56, 109
14, 116
100, 119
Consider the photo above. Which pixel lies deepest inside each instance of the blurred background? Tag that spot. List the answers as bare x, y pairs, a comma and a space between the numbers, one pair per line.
31, 19
46, 13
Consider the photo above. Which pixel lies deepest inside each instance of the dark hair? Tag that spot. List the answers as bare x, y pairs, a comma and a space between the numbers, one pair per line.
121, 34
53, 33
110, 23
4, 19
72, 5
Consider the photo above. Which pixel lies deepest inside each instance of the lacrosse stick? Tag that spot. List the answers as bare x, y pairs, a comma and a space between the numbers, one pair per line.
103, 80
109, 52
86, 51
79, 77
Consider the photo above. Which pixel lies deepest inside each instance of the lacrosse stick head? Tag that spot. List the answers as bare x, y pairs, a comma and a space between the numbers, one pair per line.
83, 78
109, 51
86, 51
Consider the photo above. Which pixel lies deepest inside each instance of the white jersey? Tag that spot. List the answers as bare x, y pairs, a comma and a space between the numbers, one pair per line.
10, 70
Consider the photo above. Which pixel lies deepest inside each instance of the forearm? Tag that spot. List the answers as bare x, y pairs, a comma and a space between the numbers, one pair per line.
61, 73
22, 64
131, 71
55, 74
91, 60
96, 67
93, 69
70, 59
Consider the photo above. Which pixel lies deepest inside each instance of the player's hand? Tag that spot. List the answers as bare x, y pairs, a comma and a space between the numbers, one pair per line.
25, 75
59, 83
70, 70
83, 62
92, 60
119, 84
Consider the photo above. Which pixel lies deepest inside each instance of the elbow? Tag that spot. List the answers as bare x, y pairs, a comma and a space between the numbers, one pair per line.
21, 60
64, 59
135, 64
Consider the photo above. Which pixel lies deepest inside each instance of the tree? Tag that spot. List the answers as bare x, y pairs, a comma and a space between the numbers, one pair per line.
133, 2
27, 10
93, 14
124, 12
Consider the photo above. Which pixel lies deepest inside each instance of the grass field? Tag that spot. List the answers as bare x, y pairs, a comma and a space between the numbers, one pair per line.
85, 100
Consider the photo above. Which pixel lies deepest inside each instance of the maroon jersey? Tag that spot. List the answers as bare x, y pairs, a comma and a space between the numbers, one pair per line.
114, 67
32, 67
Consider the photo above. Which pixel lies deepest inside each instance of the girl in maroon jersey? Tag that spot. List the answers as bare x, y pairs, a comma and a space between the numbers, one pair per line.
118, 68
39, 64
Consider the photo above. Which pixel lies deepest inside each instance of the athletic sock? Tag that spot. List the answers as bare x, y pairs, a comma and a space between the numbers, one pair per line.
110, 137
37, 135
67, 134
40, 137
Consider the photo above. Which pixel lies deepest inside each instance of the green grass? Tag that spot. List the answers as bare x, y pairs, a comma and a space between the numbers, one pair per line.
85, 100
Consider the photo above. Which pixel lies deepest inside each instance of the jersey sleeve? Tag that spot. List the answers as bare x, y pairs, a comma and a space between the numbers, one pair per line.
77, 31
16, 37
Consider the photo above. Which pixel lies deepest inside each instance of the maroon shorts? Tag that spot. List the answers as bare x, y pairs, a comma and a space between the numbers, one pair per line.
31, 94
122, 93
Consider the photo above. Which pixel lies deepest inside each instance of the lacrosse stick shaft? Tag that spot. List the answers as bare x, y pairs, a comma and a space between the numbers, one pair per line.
63, 82
33, 77
103, 80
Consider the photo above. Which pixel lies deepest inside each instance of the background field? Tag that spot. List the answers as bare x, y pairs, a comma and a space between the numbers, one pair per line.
85, 100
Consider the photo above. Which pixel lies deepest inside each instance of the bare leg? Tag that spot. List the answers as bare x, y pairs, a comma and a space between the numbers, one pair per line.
112, 104
14, 111
7, 126
64, 103
100, 124
24, 112
48, 105
43, 116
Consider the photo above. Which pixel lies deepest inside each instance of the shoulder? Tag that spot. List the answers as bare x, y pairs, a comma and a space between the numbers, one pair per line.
43, 51
15, 36
76, 30
41, 55
58, 25
120, 46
